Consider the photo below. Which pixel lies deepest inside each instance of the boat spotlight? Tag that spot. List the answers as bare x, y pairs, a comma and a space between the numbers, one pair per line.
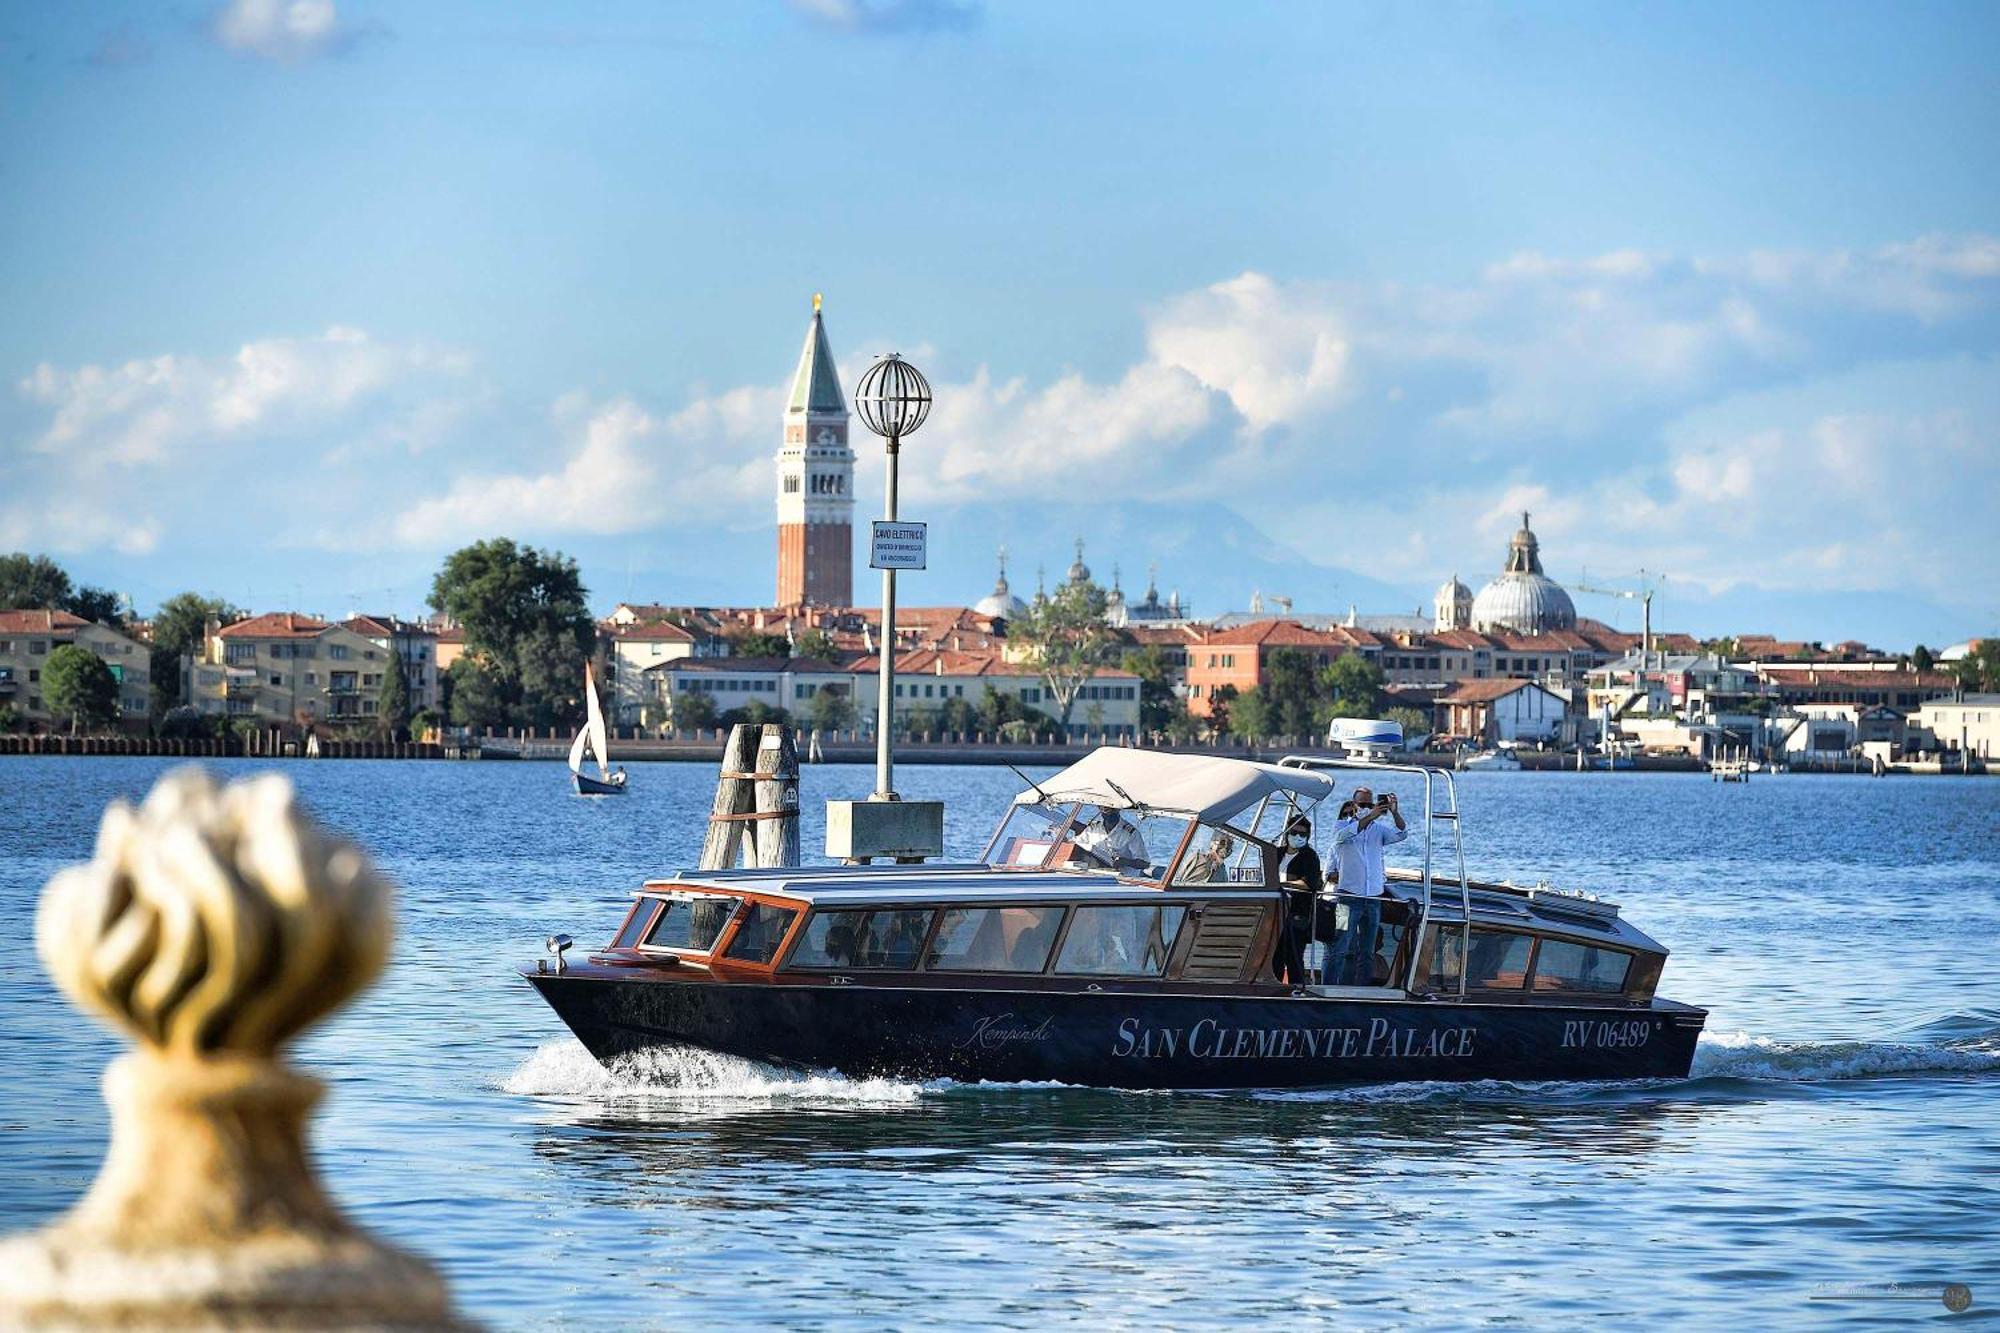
556, 944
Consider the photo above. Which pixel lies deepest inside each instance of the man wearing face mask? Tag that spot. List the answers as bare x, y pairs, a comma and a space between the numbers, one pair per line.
1300, 876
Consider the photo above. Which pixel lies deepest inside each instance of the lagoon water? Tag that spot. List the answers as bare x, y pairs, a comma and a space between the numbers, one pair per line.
1842, 1129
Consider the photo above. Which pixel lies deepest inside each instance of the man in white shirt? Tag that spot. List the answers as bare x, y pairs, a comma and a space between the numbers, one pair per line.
1358, 840
1115, 841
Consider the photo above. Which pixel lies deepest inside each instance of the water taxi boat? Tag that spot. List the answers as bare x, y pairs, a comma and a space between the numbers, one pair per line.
1126, 928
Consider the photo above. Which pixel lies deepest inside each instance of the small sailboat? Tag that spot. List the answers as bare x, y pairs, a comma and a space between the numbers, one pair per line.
592, 739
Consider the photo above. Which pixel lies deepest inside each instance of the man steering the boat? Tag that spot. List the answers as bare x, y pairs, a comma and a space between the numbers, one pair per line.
1113, 840
1358, 840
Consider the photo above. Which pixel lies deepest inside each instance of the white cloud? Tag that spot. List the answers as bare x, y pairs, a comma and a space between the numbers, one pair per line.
151, 410
287, 31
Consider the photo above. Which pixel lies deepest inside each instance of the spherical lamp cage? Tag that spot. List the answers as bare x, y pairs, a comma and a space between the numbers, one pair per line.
893, 398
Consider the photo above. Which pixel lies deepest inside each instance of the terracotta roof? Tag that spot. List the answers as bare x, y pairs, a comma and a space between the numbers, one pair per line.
1485, 691
451, 634
384, 627
1164, 634
665, 631
276, 625
1277, 634
40, 622
1805, 676
936, 662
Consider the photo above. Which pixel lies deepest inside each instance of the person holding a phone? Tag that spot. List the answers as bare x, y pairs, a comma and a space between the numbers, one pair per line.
1366, 826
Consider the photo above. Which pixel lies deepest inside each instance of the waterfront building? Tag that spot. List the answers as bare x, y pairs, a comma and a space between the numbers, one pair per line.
1522, 598
926, 679
286, 668
1893, 684
627, 652
1504, 712
1966, 726
28, 637
816, 483
412, 644
1239, 657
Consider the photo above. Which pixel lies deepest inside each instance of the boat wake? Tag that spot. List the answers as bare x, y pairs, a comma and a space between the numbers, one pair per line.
1966, 1043
563, 1069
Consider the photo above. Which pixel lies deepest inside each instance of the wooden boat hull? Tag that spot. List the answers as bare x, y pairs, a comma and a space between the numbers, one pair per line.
1121, 1039
587, 786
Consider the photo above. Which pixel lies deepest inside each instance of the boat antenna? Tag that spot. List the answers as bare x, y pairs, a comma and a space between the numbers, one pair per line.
1033, 785
1125, 796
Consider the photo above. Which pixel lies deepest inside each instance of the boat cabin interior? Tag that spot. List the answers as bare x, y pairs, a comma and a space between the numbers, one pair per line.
1135, 870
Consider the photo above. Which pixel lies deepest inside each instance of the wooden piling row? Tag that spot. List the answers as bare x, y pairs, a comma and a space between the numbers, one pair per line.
756, 808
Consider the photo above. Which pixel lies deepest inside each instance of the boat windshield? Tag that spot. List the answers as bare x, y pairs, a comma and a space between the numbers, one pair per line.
1048, 836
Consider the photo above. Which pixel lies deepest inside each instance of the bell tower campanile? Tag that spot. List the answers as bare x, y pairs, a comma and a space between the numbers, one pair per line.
816, 483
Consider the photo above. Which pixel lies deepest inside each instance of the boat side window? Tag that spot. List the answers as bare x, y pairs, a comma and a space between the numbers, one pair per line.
995, 939
762, 931
879, 937
635, 925
1120, 941
1220, 855
1499, 959
1565, 966
691, 923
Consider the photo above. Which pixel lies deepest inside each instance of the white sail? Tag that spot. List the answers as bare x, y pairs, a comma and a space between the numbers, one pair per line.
576, 749
600, 748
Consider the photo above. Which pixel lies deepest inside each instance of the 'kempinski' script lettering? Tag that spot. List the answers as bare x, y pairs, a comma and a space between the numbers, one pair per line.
1210, 1040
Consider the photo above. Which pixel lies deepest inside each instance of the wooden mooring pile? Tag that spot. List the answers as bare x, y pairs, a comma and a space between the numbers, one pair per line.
755, 819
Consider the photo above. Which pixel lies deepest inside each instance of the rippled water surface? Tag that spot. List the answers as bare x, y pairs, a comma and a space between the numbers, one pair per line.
1842, 1129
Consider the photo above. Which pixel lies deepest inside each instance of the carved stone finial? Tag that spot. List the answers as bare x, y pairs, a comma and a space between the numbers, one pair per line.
212, 925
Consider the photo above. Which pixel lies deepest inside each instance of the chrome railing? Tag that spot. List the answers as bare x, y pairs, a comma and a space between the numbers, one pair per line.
1432, 817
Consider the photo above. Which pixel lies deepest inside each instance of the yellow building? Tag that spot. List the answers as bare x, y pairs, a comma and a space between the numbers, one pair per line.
28, 637
286, 667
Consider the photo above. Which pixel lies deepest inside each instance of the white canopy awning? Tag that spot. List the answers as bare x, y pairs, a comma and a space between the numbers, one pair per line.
1201, 785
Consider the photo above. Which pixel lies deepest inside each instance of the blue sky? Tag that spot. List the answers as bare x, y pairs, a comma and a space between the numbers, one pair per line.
297, 296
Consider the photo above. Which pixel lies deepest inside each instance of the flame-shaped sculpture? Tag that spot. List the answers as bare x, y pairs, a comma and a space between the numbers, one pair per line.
215, 919
213, 924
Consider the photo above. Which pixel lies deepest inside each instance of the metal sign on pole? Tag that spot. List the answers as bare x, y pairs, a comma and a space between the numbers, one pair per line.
899, 545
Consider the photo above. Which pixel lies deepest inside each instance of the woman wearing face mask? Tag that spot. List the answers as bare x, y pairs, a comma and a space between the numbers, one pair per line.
1300, 875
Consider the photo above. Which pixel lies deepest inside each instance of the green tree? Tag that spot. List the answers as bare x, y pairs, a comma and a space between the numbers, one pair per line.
1979, 669
1355, 686
1921, 659
392, 709
179, 627
1068, 639
478, 698
9, 719
32, 583
528, 631
830, 710
759, 644
817, 645
77, 685
1250, 714
1293, 693
692, 711
1415, 722
1157, 699
1220, 705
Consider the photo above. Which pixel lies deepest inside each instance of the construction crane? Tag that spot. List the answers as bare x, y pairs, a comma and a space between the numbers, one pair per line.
1644, 596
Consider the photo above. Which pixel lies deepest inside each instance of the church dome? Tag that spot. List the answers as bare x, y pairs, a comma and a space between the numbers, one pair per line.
1523, 599
1078, 571
1001, 603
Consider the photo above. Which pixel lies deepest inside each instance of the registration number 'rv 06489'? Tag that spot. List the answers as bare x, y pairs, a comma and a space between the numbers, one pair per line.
1611, 1034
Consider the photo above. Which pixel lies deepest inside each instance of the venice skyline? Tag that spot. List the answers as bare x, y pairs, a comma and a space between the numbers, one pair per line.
1686, 342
